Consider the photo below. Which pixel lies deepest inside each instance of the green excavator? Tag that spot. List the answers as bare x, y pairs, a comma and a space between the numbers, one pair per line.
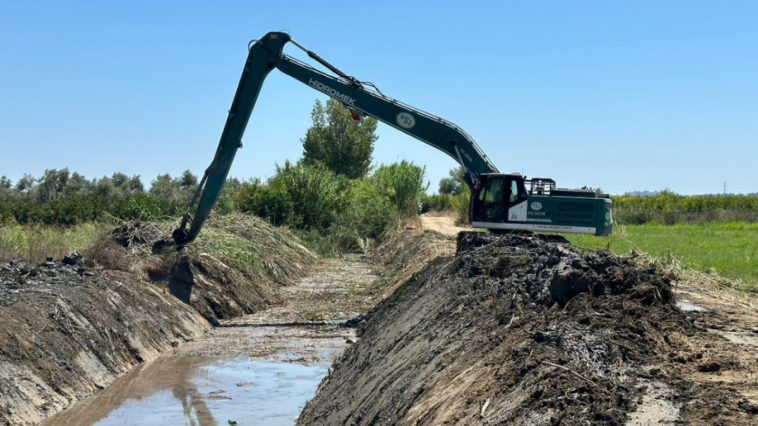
499, 202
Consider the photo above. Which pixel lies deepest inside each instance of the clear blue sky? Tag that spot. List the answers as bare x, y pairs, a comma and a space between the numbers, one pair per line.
625, 95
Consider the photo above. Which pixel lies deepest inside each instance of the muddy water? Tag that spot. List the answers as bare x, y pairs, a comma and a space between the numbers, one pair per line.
686, 306
189, 390
257, 369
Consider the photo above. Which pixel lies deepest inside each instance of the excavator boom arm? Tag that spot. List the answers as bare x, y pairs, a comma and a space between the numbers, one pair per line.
423, 126
267, 54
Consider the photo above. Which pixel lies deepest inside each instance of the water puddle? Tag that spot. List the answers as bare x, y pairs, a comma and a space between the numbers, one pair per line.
689, 307
656, 408
187, 390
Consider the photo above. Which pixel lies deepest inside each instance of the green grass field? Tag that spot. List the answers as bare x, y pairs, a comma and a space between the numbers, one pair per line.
730, 249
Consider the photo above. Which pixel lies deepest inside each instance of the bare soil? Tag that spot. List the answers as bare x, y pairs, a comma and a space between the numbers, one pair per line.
210, 283
67, 333
515, 331
444, 223
406, 253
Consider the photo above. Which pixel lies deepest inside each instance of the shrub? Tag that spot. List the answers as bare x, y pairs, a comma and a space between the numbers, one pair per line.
402, 184
461, 205
145, 207
317, 194
437, 202
300, 196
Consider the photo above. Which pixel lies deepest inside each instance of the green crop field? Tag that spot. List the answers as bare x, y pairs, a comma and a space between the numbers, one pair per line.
730, 249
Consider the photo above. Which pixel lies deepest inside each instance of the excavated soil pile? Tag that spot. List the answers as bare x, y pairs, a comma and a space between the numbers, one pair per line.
513, 330
235, 268
66, 332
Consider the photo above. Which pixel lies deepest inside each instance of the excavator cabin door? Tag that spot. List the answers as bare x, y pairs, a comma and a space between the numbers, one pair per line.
500, 198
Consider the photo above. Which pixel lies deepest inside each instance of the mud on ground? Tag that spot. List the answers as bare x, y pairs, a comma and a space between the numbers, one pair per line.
313, 324
515, 331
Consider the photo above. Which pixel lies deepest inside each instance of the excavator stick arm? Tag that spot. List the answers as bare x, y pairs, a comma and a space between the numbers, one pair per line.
261, 59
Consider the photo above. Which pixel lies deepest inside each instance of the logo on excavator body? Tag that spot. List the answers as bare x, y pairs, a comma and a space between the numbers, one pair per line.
536, 205
406, 120
331, 92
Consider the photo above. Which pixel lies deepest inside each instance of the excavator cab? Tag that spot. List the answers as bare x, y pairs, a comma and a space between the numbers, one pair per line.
499, 198
511, 203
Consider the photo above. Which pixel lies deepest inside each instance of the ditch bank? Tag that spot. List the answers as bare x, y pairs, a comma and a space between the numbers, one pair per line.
512, 330
71, 327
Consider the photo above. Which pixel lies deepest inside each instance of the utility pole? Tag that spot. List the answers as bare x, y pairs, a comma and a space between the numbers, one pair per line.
724, 187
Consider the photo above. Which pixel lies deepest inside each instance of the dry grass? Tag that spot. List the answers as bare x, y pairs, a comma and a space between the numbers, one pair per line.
34, 243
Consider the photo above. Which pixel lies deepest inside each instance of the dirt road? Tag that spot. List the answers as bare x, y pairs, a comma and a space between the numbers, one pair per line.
262, 366
444, 224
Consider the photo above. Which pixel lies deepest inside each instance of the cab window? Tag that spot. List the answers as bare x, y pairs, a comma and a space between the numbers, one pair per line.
514, 191
493, 192
492, 201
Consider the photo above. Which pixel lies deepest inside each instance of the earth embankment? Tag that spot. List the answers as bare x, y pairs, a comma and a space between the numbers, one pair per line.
512, 330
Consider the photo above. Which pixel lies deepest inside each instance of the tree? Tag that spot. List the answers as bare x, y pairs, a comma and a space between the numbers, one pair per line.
454, 184
176, 191
341, 144
50, 186
77, 184
26, 183
6, 189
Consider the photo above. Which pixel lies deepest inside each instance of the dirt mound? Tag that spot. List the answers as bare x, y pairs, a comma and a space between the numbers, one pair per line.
555, 274
138, 233
67, 332
233, 269
517, 331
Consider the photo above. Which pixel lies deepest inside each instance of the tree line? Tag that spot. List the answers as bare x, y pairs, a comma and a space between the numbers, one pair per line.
60, 197
334, 194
